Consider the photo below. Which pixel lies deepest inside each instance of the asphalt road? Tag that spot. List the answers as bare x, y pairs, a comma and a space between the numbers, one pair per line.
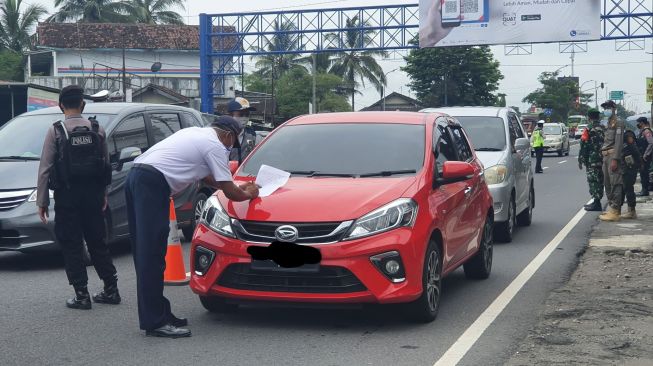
36, 328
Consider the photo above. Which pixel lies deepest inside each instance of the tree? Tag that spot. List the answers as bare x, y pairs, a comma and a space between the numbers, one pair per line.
155, 11
273, 65
355, 66
501, 100
90, 11
15, 26
447, 76
559, 95
516, 109
11, 68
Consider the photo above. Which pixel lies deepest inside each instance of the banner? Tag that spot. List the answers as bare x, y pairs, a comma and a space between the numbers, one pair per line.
484, 22
39, 99
649, 90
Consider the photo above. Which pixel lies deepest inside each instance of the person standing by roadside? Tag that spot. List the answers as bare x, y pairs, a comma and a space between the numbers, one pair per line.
166, 169
75, 165
612, 166
645, 145
537, 141
590, 156
239, 109
632, 162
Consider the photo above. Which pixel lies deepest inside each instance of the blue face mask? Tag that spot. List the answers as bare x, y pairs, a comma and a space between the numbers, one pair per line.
607, 113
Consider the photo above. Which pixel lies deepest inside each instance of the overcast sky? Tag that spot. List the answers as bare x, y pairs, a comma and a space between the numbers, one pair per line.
619, 70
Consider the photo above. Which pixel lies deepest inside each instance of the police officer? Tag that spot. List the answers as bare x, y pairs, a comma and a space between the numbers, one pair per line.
632, 163
537, 141
590, 155
239, 108
75, 164
612, 164
645, 146
164, 170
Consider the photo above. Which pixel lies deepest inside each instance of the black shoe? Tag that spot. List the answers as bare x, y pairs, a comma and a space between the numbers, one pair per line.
109, 295
168, 331
594, 206
642, 194
178, 322
81, 301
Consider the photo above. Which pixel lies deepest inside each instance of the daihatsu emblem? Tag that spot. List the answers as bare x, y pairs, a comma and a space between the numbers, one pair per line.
286, 233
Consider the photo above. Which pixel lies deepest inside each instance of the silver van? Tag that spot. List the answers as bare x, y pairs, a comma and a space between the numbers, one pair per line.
502, 144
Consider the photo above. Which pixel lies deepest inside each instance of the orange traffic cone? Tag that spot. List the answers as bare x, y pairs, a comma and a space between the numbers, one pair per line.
175, 273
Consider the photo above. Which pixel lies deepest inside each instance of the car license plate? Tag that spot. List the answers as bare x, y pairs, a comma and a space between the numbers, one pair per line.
269, 265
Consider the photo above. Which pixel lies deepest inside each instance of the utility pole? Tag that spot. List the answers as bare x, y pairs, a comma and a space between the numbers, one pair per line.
573, 59
314, 83
124, 70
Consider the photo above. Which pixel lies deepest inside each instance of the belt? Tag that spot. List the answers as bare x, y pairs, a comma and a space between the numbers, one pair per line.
607, 152
149, 168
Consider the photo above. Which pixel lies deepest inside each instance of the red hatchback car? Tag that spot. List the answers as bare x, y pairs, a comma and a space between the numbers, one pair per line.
393, 201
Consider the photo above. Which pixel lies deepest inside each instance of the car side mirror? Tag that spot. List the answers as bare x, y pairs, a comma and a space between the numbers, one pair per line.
233, 166
522, 144
129, 154
455, 171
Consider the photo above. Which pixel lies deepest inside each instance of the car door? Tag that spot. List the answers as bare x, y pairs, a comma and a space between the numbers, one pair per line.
521, 163
130, 132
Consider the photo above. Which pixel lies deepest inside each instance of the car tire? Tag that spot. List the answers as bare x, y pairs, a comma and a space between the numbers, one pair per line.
216, 304
425, 309
525, 218
480, 265
560, 152
504, 231
198, 205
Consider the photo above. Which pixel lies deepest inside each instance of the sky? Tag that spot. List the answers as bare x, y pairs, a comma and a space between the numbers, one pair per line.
618, 70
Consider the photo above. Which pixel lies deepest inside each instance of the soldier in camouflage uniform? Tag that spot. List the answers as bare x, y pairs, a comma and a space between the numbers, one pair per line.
612, 164
590, 156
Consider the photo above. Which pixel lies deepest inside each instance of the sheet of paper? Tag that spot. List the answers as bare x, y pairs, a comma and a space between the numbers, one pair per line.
270, 179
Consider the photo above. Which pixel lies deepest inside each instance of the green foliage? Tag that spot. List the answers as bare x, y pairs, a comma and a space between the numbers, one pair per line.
558, 95
16, 24
154, 11
115, 11
273, 65
11, 68
471, 75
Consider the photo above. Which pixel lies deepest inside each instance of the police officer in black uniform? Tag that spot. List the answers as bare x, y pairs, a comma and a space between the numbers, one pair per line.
645, 146
75, 164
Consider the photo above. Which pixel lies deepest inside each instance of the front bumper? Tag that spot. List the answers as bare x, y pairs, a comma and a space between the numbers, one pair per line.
21, 230
501, 194
350, 256
552, 146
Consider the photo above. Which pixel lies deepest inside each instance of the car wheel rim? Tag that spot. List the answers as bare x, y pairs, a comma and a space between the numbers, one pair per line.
198, 209
487, 243
433, 281
511, 217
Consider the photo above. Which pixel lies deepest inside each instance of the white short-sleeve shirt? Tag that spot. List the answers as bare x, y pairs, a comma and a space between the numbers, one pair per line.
187, 156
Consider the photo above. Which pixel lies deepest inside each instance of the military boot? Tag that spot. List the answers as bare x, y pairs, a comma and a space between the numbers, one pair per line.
81, 301
109, 295
594, 206
631, 214
611, 215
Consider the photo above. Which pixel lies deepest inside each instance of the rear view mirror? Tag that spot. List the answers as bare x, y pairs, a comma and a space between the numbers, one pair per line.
233, 166
455, 171
522, 143
129, 154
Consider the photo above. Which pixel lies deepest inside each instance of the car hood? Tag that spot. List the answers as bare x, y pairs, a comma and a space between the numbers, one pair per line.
491, 158
18, 174
320, 199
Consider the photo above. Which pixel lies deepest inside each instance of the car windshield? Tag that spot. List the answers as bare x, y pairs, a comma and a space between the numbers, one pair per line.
342, 149
23, 136
486, 133
552, 130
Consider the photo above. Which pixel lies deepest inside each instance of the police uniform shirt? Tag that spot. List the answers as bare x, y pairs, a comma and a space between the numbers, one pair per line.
48, 155
187, 156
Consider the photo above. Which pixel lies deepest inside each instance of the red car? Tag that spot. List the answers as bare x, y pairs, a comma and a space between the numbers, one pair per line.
393, 202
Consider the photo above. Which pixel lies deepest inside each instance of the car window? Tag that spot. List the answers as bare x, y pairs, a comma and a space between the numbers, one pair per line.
515, 125
462, 146
129, 133
164, 125
552, 130
444, 147
192, 120
485, 133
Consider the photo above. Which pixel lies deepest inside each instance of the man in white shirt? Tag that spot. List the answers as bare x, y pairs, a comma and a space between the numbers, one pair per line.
166, 169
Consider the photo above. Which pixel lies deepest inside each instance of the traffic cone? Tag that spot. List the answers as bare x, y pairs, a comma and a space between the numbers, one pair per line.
175, 273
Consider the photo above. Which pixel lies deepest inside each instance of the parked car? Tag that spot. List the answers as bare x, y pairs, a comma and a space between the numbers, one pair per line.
579, 131
556, 138
502, 145
388, 229
128, 125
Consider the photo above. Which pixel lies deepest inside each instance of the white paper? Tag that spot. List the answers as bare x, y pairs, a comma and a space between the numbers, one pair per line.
270, 179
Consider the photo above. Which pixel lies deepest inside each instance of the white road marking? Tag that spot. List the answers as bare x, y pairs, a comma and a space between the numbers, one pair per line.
464, 343
562, 162
545, 168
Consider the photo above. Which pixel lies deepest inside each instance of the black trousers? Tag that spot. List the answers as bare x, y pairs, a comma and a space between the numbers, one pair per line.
629, 188
148, 206
539, 154
644, 174
79, 217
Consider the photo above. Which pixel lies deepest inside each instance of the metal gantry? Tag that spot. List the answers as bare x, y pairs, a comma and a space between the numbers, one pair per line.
227, 39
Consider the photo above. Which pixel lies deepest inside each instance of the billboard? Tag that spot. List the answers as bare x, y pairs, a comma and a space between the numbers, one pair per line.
484, 22
39, 99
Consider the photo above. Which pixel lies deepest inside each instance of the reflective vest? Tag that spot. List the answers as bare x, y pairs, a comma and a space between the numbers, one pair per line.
536, 139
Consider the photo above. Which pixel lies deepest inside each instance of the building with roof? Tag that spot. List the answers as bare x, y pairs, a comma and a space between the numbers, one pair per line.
395, 102
93, 55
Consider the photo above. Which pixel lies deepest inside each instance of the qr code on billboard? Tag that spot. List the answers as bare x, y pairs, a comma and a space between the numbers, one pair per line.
469, 6
450, 6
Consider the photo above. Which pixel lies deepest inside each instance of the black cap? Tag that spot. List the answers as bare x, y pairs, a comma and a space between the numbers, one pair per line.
642, 120
228, 123
610, 104
71, 91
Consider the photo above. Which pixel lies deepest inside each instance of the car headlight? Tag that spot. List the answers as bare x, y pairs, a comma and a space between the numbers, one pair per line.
401, 212
496, 174
32, 197
215, 217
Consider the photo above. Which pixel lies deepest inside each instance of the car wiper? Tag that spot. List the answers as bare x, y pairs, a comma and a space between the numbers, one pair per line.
387, 173
315, 173
302, 172
488, 149
16, 157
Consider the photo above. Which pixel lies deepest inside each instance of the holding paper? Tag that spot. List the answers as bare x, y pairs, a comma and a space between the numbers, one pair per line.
270, 179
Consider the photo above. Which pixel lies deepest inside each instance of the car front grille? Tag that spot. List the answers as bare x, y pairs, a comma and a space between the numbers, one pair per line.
12, 199
309, 233
327, 279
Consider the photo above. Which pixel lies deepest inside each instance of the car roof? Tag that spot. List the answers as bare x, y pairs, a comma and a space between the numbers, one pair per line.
409, 118
109, 108
470, 111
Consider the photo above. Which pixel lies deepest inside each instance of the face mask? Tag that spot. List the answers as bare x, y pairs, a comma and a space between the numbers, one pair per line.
607, 113
242, 120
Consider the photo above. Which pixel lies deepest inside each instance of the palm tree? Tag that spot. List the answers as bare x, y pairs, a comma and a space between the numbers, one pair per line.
276, 65
90, 11
15, 27
155, 11
357, 65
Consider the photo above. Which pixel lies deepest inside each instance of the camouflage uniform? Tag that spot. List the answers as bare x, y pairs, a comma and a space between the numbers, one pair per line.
612, 151
590, 156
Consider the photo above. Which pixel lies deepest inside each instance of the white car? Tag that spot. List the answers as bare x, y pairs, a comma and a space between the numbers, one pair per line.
579, 131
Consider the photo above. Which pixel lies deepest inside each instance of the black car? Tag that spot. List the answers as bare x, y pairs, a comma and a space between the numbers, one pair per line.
131, 129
